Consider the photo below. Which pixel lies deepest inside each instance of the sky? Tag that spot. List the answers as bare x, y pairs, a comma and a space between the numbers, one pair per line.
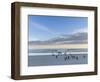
46, 27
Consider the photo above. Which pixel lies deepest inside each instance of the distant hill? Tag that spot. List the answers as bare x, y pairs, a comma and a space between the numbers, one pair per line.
76, 38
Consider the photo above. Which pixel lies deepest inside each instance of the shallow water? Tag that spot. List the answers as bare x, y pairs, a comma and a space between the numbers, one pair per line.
49, 57
48, 60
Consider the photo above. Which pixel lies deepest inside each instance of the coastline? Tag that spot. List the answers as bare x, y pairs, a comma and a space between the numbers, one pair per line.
59, 46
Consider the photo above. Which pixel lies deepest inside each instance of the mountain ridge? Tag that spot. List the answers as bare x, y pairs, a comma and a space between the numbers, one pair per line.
75, 38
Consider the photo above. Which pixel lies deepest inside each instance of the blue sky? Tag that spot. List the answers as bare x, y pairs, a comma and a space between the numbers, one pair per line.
47, 27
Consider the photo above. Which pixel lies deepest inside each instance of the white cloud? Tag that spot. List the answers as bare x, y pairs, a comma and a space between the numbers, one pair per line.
33, 39
80, 30
41, 27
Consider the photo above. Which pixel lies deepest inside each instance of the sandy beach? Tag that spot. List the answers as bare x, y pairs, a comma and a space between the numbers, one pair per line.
60, 46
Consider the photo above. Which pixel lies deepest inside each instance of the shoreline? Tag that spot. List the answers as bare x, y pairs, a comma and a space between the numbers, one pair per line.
60, 46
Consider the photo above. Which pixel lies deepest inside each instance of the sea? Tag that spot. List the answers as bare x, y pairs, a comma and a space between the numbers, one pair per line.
57, 56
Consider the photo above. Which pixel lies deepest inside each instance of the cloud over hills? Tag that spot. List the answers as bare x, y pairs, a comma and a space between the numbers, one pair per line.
75, 38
